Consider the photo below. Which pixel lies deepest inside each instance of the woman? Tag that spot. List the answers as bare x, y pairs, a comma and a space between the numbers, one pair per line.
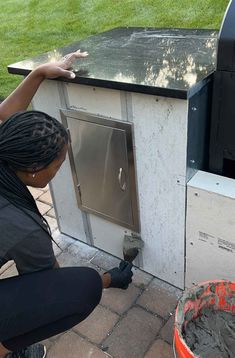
44, 299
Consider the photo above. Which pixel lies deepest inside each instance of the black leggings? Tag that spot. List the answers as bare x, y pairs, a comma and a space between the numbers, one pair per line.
39, 305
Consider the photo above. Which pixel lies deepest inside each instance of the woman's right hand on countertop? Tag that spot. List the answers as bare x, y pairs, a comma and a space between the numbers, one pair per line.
61, 67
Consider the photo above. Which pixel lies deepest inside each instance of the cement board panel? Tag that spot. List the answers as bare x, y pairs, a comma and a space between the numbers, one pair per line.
95, 100
69, 217
160, 129
210, 228
108, 236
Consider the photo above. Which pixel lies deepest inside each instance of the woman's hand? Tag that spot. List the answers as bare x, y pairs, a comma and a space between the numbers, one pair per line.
119, 277
19, 99
61, 67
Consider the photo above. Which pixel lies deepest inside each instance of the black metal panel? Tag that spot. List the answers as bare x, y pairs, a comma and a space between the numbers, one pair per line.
226, 43
222, 138
198, 131
222, 144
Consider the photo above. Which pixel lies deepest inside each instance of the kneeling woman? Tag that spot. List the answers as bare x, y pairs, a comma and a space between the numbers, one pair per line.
44, 299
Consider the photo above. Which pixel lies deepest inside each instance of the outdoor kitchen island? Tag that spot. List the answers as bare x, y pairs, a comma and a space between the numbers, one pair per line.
138, 115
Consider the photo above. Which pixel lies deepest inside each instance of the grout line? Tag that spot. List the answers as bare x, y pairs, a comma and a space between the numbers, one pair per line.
98, 345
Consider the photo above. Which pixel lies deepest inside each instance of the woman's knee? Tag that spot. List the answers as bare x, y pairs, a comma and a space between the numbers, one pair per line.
87, 292
85, 282
94, 283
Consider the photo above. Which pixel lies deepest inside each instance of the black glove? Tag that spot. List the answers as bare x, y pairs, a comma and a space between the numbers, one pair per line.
121, 276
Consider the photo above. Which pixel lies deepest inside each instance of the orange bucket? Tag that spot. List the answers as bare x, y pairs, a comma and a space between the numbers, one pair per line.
220, 294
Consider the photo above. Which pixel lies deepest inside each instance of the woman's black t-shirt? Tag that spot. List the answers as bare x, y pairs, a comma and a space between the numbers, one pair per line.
24, 240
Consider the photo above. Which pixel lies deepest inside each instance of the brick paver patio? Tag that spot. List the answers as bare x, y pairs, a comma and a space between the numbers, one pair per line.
136, 323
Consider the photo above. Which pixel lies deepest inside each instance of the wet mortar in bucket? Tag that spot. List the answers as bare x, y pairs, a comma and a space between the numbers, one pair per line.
205, 321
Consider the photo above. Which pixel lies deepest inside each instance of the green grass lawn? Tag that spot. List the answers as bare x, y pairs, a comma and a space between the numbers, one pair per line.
31, 27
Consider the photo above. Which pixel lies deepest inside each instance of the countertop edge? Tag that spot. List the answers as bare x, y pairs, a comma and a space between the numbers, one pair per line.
129, 87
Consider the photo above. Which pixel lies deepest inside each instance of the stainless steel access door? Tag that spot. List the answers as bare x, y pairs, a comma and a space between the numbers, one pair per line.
101, 156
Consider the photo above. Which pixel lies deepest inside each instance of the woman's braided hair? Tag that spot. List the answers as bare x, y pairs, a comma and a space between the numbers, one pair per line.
29, 141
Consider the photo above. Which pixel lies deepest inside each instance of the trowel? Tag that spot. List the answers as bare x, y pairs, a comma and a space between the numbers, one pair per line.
131, 247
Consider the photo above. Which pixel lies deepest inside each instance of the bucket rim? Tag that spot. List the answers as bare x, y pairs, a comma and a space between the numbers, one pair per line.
191, 291
180, 314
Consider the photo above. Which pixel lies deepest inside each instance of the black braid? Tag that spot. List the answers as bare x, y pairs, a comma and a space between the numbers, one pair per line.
29, 141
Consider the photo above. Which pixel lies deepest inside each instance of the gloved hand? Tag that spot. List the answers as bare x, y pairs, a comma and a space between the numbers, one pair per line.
121, 276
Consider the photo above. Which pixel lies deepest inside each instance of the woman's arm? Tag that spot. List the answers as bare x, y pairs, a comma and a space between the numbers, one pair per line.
21, 97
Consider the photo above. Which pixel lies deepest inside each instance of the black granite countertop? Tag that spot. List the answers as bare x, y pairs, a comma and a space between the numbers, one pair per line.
166, 62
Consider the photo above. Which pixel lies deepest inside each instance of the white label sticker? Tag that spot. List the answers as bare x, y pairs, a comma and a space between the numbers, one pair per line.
217, 241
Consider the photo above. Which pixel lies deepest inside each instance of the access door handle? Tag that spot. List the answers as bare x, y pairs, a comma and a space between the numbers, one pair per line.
122, 179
